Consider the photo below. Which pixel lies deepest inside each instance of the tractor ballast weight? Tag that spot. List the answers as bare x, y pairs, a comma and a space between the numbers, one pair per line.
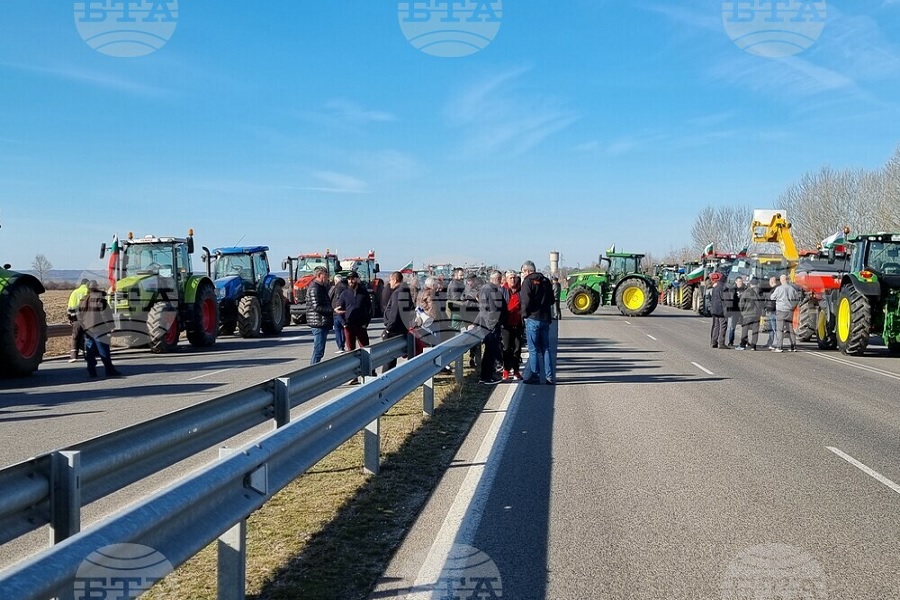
868, 302
23, 323
155, 295
622, 285
251, 298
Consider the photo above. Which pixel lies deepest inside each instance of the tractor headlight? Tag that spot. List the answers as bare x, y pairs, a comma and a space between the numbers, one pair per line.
221, 293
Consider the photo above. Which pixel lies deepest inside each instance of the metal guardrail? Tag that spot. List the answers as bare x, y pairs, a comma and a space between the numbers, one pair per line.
59, 330
182, 519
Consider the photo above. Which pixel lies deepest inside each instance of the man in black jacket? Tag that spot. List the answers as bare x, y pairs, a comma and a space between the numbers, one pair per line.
536, 304
399, 312
492, 313
319, 313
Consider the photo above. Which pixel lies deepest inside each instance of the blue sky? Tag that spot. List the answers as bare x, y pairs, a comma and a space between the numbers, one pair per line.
309, 125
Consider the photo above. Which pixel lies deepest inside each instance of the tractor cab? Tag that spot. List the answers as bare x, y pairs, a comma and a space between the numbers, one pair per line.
620, 264
251, 298
300, 274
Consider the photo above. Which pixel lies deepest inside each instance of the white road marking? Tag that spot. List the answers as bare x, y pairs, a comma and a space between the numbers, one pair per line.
207, 374
702, 368
652, 338
866, 470
628, 322
849, 363
461, 522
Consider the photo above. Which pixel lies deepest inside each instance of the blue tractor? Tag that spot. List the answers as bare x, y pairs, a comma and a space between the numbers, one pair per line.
251, 298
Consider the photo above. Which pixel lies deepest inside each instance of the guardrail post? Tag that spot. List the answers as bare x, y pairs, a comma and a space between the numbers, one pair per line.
428, 393
65, 495
410, 346
365, 364
372, 447
282, 401
232, 554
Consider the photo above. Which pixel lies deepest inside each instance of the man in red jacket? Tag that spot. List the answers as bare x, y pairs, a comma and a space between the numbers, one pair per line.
513, 329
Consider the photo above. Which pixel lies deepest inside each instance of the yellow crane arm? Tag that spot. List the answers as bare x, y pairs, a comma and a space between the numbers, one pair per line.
776, 231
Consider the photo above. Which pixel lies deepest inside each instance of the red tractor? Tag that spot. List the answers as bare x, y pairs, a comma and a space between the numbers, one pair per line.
300, 275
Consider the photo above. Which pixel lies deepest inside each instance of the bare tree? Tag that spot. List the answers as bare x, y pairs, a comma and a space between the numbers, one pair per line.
41, 266
727, 228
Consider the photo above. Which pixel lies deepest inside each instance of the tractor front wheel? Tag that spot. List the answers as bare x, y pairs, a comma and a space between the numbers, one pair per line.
582, 300
854, 321
23, 331
634, 298
205, 322
806, 320
162, 325
249, 317
825, 337
685, 297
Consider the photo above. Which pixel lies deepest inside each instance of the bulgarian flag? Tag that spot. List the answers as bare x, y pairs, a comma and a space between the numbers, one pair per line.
708, 250
611, 249
111, 267
408, 268
838, 239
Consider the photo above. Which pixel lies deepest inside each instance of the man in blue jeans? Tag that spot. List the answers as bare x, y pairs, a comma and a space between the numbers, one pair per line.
537, 304
319, 313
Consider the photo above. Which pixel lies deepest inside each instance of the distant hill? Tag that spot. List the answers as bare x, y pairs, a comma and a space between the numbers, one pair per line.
69, 276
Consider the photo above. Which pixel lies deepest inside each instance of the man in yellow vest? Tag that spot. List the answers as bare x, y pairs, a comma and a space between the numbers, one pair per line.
72, 312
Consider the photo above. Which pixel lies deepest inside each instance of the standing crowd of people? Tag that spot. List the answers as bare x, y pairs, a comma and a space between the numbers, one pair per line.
748, 306
512, 310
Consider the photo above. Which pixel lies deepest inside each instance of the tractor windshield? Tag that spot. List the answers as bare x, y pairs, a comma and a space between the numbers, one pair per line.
360, 266
144, 259
884, 257
624, 264
305, 265
233, 264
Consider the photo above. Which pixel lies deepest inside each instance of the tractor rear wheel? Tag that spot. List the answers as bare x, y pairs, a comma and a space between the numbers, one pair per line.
23, 331
825, 336
205, 317
273, 317
162, 325
249, 317
635, 298
806, 320
685, 297
854, 321
582, 300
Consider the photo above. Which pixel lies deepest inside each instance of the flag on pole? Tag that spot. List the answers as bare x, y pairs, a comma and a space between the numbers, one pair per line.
838, 239
407, 268
113, 262
708, 250
611, 249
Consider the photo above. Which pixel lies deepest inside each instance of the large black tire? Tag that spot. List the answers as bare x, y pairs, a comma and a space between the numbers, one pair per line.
636, 298
685, 297
23, 331
893, 347
702, 301
807, 322
854, 321
162, 326
273, 317
249, 317
582, 300
825, 336
205, 317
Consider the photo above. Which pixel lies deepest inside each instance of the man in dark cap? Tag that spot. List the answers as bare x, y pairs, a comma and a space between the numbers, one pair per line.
355, 306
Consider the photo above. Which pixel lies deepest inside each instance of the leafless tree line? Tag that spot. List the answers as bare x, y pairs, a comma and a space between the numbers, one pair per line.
817, 205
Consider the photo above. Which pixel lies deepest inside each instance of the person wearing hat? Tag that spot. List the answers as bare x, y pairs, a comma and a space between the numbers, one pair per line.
717, 310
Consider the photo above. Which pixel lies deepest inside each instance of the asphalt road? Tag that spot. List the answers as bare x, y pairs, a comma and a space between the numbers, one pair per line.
659, 467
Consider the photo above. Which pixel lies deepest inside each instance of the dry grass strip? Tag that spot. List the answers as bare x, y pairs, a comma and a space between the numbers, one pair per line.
330, 534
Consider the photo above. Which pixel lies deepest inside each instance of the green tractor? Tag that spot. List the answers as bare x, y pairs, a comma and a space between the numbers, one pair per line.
251, 298
869, 298
23, 323
155, 294
622, 285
